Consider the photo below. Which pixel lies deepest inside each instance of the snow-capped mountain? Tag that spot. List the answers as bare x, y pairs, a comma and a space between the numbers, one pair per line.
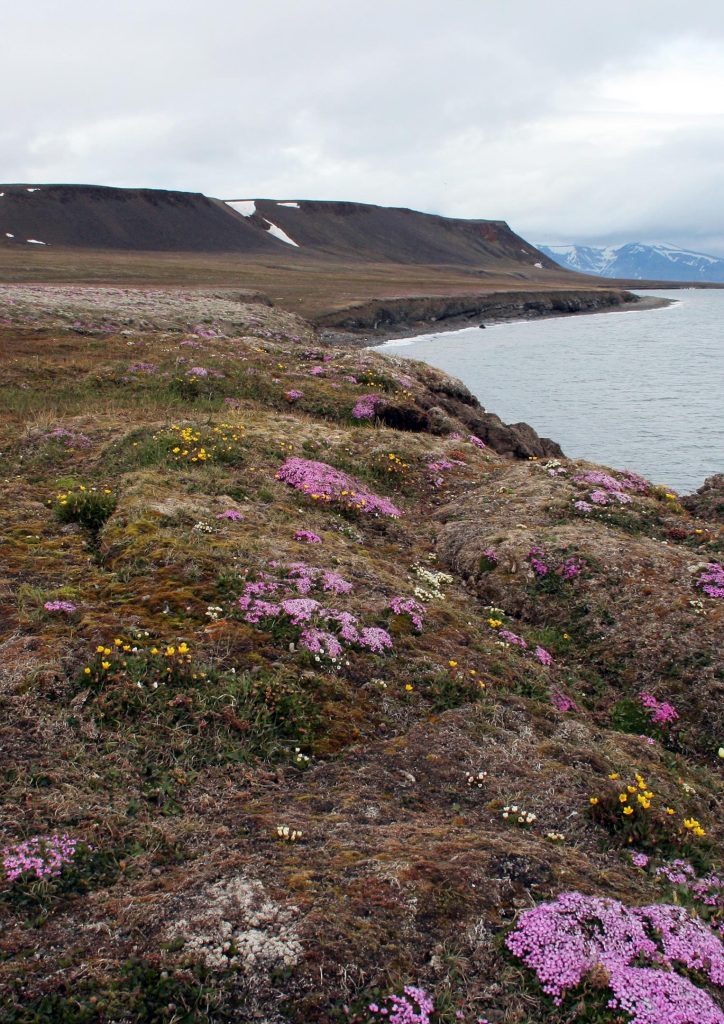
657, 261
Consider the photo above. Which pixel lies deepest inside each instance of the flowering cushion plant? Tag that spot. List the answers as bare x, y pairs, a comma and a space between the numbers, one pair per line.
633, 951
326, 484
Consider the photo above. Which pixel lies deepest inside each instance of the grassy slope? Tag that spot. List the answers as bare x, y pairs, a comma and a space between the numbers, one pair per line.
404, 873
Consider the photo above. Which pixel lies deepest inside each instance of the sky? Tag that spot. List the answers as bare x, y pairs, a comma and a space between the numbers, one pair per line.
573, 121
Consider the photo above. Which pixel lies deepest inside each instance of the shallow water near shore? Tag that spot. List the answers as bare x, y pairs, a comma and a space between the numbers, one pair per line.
639, 390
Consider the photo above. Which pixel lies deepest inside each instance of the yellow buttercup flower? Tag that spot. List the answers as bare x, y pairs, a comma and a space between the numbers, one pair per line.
105, 664
408, 687
183, 648
613, 775
628, 810
623, 797
593, 800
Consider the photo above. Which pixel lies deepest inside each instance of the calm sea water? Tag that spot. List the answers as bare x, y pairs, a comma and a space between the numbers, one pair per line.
634, 390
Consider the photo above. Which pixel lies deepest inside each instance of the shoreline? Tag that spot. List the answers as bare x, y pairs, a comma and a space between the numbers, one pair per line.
512, 307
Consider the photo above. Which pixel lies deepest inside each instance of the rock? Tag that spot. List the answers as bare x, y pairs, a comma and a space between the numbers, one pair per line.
708, 501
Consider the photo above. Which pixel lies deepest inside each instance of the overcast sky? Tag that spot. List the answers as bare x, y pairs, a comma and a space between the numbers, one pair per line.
573, 121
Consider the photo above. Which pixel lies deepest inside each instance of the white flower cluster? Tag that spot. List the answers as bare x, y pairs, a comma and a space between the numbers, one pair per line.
555, 837
288, 835
213, 612
432, 583
203, 527
300, 758
477, 780
521, 816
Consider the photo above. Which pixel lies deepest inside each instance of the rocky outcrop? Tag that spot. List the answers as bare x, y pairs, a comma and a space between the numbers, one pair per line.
708, 501
419, 312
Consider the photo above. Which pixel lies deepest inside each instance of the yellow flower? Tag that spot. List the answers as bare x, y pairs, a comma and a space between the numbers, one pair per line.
183, 648
566, 636
87, 671
453, 664
613, 775
117, 642
154, 650
495, 623
105, 664
670, 810
170, 651
644, 802
126, 647
628, 810
106, 650
593, 800
631, 789
100, 650
408, 687
622, 797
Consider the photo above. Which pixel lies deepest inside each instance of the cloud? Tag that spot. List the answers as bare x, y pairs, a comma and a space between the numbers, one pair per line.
569, 121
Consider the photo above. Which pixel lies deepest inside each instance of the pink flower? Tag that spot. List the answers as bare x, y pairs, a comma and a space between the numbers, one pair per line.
365, 406
307, 537
562, 702
60, 606
324, 483
409, 606
543, 656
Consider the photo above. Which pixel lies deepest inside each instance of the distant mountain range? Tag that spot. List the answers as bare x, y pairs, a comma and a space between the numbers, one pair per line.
638, 261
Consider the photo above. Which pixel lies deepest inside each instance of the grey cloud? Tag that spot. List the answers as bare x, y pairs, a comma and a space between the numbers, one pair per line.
515, 110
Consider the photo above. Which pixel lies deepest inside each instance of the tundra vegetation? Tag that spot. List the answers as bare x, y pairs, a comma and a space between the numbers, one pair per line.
327, 697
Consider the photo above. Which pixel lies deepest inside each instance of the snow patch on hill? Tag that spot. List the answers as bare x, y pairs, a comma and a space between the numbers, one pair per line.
246, 207
281, 235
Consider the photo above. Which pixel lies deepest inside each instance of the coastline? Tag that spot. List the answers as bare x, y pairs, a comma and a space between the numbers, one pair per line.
373, 324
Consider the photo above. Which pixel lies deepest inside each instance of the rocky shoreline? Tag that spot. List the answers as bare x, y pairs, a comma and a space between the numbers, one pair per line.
376, 321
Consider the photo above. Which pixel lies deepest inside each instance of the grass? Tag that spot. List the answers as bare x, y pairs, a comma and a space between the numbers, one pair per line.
179, 772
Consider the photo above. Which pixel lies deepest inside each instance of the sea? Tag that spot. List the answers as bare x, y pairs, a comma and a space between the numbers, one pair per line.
637, 389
